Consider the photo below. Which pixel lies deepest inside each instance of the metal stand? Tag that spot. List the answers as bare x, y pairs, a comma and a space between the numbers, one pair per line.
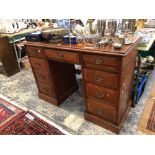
136, 84
14, 45
15, 49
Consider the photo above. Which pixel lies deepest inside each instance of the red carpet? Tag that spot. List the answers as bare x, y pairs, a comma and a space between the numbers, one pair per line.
8, 112
29, 124
15, 121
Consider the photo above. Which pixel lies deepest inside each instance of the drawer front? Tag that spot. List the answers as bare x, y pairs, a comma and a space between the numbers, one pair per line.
63, 55
101, 110
101, 62
101, 94
43, 76
35, 51
39, 64
101, 78
46, 89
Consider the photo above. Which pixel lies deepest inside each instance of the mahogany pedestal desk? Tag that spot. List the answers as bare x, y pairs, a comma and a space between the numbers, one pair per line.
107, 78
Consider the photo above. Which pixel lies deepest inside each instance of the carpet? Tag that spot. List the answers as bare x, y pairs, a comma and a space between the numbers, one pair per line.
8, 112
21, 121
147, 121
29, 124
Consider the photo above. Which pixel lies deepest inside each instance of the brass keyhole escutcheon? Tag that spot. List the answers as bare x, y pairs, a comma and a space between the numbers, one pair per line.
33, 51
99, 95
37, 64
98, 79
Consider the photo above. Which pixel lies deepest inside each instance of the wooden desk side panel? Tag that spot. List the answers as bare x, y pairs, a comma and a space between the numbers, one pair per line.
126, 84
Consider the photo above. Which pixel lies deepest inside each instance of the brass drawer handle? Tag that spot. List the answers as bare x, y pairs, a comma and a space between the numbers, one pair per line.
60, 55
99, 79
37, 64
38, 51
99, 111
98, 61
33, 51
99, 95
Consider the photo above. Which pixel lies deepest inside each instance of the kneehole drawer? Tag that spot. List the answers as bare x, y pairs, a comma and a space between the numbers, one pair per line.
63, 55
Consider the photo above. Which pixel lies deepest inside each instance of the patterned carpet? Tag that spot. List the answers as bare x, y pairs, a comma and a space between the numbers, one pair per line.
22, 88
21, 121
8, 112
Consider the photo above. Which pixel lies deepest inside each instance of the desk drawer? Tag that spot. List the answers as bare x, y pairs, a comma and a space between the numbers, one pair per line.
101, 110
43, 76
101, 62
46, 89
39, 64
101, 94
35, 51
101, 78
63, 55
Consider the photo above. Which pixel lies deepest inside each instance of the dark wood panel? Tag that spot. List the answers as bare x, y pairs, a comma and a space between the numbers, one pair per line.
8, 57
64, 76
126, 88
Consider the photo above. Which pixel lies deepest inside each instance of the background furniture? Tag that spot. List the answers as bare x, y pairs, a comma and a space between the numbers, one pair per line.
15, 39
107, 78
8, 59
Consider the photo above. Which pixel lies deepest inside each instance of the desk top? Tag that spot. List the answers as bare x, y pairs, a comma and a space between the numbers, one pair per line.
107, 50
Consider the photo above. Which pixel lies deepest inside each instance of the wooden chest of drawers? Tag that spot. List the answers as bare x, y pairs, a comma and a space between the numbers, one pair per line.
107, 78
